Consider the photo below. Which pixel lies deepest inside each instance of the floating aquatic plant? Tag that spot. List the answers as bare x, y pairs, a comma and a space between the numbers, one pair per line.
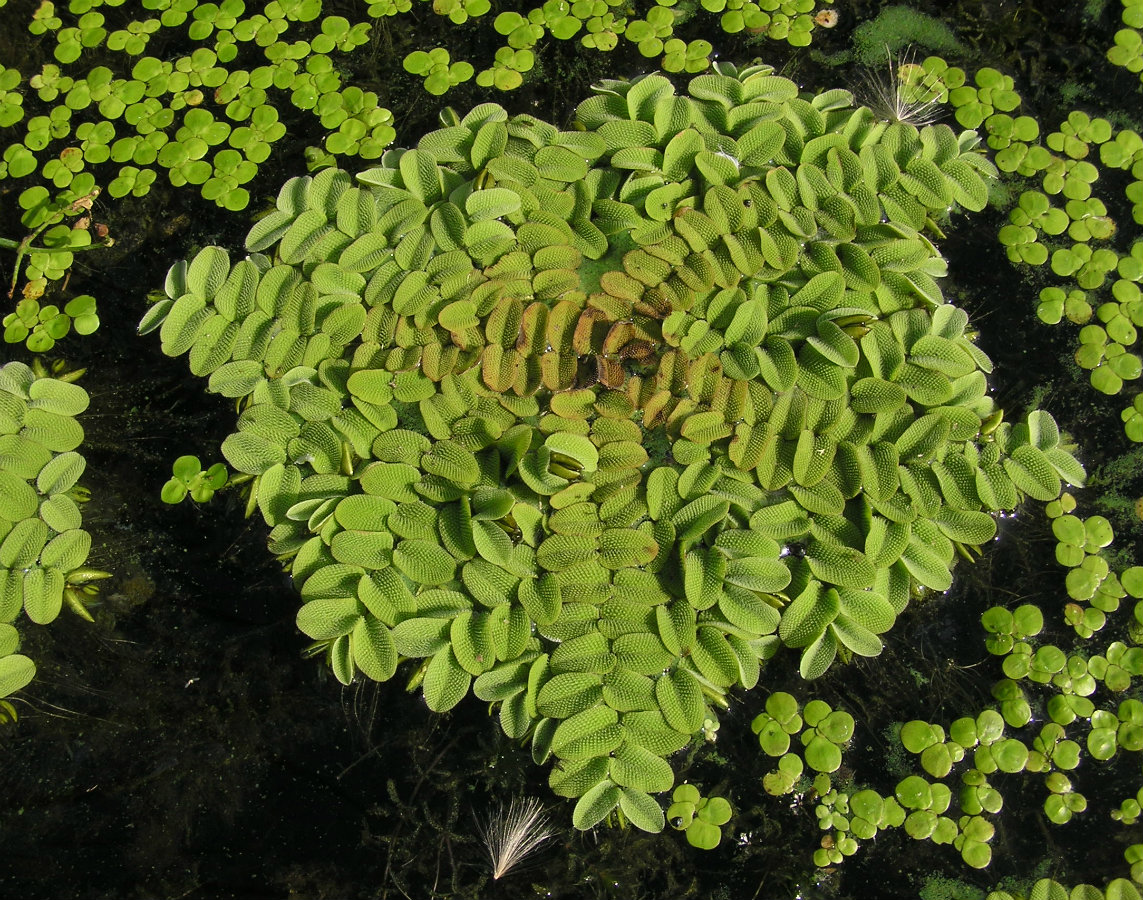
41, 326
1128, 49
189, 478
1116, 889
206, 118
43, 547
700, 818
1067, 163
549, 410
1083, 728
16, 670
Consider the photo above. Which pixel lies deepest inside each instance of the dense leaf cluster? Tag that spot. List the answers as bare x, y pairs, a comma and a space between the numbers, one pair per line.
592, 422
1063, 716
43, 546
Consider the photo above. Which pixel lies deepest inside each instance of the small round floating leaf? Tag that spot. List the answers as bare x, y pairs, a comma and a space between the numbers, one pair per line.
1132, 581
772, 737
328, 618
57, 433
58, 397
16, 671
921, 824
22, 545
790, 768
1098, 532
823, 755
596, 804
917, 735
1101, 743
867, 804
641, 809
1070, 529
67, 550
446, 682
1010, 755
251, 454
914, 793
424, 562
43, 594
1028, 620
703, 835
18, 499
976, 854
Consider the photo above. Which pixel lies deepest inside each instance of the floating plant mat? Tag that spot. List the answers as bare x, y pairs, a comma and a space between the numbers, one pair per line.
592, 423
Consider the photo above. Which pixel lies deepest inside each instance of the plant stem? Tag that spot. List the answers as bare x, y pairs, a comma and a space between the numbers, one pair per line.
9, 244
25, 244
24, 247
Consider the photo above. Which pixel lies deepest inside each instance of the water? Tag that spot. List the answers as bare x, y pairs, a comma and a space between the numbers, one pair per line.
182, 748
